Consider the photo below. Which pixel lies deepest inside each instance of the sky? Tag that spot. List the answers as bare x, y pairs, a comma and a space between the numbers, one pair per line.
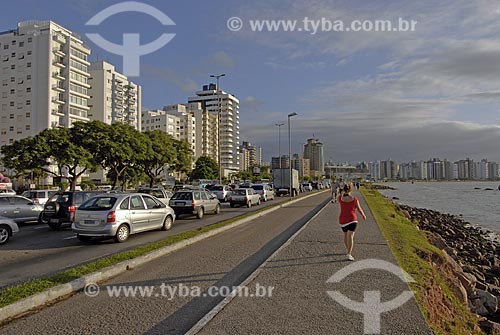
432, 92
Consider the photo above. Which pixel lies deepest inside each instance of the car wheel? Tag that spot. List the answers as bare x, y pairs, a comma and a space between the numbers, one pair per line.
249, 204
122, 233
167, 224
83, 238
54, 225
4, 234
258, 202
264, 198
231, 205
217, 209
200, 213
42, 219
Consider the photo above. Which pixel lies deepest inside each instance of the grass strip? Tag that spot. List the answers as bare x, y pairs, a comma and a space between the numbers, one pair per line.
12, 294
442, 310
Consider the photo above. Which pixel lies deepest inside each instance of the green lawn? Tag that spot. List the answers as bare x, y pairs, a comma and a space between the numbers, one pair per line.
444, 313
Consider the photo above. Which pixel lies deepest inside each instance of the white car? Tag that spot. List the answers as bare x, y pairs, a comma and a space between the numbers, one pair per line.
307, 186
7, 228
264, 190
39, 197
244, 196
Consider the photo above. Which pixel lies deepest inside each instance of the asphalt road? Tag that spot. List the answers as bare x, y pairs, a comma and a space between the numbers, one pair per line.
223, 260
37, 250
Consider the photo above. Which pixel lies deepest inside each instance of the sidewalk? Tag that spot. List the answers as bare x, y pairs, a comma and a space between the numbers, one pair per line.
299, 273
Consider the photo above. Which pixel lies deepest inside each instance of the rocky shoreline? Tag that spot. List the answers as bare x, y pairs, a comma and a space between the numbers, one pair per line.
472, 258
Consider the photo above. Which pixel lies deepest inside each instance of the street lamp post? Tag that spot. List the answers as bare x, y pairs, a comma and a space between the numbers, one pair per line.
290, 152
279, 152
218, 124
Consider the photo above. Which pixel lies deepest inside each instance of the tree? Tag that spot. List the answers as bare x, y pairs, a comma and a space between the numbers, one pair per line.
161, 155
118, 147
57, 147
205, 168
184, 157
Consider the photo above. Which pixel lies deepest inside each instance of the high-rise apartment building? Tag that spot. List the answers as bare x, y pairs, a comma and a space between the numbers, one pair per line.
113, 97
226, 107
313, 150
302, 165
44, 79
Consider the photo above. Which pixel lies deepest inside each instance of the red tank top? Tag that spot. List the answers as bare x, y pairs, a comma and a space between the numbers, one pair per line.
347, 211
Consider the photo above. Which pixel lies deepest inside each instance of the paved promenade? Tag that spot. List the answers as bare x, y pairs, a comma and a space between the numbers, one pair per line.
299, 273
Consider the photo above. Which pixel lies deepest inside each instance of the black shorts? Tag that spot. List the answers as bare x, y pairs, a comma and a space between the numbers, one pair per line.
350, 227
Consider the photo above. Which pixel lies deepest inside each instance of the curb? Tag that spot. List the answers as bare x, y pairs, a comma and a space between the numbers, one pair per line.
40, 299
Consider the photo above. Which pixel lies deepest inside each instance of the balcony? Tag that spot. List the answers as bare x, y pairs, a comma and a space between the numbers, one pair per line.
59, 51
59, 63
58, 100
58, 87
58, 75
59, 38
57, 112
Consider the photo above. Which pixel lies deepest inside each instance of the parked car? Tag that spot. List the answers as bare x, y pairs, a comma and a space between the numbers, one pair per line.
265, 191
119, 215
223, 192
307, 186
19, 208
39, 196
160, 193
194, 202
8, 227
244, 196
8, 191
60, 209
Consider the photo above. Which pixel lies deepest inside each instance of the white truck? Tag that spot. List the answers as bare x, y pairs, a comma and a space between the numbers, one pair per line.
281, 181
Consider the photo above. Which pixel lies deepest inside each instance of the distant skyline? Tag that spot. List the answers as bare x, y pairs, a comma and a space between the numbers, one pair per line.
434, 92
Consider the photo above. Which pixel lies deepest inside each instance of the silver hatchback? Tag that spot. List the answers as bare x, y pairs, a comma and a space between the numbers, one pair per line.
119, 215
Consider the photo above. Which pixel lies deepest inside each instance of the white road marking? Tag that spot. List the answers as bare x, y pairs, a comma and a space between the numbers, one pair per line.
40, 227
69, 238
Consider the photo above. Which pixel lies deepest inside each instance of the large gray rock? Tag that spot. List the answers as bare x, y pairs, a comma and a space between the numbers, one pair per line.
468, 280
490, 327
483, 303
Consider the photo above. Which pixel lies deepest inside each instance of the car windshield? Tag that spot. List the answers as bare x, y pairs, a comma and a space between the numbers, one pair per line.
217, 188
60, 198
239, 192
258, 187
98, 204
182, 196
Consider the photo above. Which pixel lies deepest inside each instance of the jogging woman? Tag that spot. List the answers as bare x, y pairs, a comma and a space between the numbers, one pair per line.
348, 219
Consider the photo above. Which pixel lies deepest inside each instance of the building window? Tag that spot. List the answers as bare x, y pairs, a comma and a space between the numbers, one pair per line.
5, 47
12, 79
11, 116
21, 44
28, 77
12, 105
30, 39
13, 42
11, 128
29, 52
28, 89
13, 67
28, 64
28, 114
13, 55
12, 91
28, 102
28, 127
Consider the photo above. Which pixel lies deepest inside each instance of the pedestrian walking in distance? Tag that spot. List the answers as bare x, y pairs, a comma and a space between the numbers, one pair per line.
348, 219
335, 191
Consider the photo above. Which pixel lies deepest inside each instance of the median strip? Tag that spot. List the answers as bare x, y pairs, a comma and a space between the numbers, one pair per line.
22, 298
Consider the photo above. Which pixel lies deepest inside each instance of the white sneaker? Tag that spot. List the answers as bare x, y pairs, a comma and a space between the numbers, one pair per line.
349, 257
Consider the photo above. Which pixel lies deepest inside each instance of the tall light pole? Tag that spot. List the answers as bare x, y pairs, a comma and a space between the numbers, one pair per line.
279, 141
218, 123
290, 152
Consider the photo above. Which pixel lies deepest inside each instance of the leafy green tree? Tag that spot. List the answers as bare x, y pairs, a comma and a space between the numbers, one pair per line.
161, 155
57, 147
205, 168
184, 157
120, 147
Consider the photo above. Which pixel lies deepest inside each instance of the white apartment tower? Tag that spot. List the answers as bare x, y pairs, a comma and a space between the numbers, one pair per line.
44, 79
113, 97
226, 107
